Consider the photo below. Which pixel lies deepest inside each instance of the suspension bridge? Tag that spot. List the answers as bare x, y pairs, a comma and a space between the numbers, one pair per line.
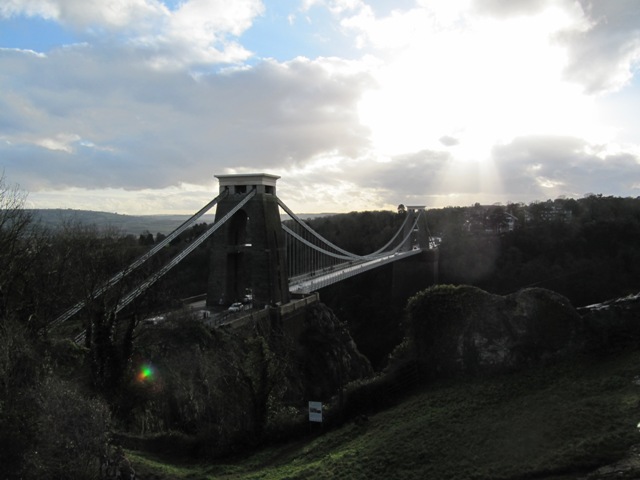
263, 247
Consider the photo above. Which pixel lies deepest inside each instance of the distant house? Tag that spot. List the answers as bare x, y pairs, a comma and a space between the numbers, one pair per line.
547, 212
489, 219
511, 222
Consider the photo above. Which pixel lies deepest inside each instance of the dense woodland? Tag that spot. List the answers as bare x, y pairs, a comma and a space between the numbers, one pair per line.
61, 402
585, 249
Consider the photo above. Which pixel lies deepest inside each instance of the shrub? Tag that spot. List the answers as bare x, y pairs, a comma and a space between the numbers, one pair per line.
71, 433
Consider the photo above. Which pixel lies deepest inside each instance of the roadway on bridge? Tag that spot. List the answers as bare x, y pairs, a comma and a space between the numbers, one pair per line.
315, 281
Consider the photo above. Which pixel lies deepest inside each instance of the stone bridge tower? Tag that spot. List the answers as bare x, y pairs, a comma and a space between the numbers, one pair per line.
248, 253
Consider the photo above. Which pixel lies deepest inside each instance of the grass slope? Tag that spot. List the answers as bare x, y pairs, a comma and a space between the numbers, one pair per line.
557, 422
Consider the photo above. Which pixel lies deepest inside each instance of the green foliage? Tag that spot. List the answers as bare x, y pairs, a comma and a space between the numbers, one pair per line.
17, 438
436, 317
585, 249
21, 369
443, 304
216, 386
48, 429
67, 357
552, 422
72, 433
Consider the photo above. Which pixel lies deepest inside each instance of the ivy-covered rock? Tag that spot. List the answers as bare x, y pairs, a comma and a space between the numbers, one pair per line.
463, 329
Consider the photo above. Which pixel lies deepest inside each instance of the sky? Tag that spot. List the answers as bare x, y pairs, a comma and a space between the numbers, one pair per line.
133, 106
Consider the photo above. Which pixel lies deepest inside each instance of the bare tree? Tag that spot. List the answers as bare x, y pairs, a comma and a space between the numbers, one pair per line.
14, 248
91, 257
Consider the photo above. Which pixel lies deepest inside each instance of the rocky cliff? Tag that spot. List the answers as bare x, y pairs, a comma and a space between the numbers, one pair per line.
462, 329
327, 355
614, 323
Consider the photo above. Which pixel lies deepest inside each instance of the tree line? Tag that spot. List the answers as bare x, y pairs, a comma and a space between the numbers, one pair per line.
586, 249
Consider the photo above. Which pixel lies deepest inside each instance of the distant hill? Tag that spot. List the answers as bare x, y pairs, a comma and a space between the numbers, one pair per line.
128, 224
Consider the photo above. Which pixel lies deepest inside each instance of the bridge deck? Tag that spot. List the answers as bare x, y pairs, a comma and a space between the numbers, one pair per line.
316, 280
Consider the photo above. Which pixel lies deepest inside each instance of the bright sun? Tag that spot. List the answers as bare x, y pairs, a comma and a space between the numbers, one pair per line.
465, 87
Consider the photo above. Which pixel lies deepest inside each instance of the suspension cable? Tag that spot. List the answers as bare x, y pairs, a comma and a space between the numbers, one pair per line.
313, 232
142, 259
315, 247
178, 258
348, 255
382, 249
348, 262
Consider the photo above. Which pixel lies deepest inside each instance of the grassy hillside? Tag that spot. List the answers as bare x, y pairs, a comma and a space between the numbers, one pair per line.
556, 422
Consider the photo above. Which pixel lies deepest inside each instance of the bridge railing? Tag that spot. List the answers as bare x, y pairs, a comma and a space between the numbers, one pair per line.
302, 303
312, 283
255, 316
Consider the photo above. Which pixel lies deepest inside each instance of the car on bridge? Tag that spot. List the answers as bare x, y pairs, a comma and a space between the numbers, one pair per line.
154, 320
236, 307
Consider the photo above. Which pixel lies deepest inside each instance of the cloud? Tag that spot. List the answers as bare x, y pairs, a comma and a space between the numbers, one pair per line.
528, 168
541, 167
502, 9
63, 142
31, 8
203, 29
197, 33
449, 141
97, 119
365, 182
604, 56
83, 14
603, 39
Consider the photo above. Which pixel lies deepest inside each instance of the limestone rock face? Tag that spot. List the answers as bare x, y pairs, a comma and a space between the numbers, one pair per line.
467, 330
329, 357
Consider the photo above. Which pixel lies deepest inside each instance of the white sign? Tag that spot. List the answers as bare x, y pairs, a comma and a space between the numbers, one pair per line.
315, 411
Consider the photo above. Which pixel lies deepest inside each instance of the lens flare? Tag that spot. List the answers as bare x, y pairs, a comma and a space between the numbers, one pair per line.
146, 373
